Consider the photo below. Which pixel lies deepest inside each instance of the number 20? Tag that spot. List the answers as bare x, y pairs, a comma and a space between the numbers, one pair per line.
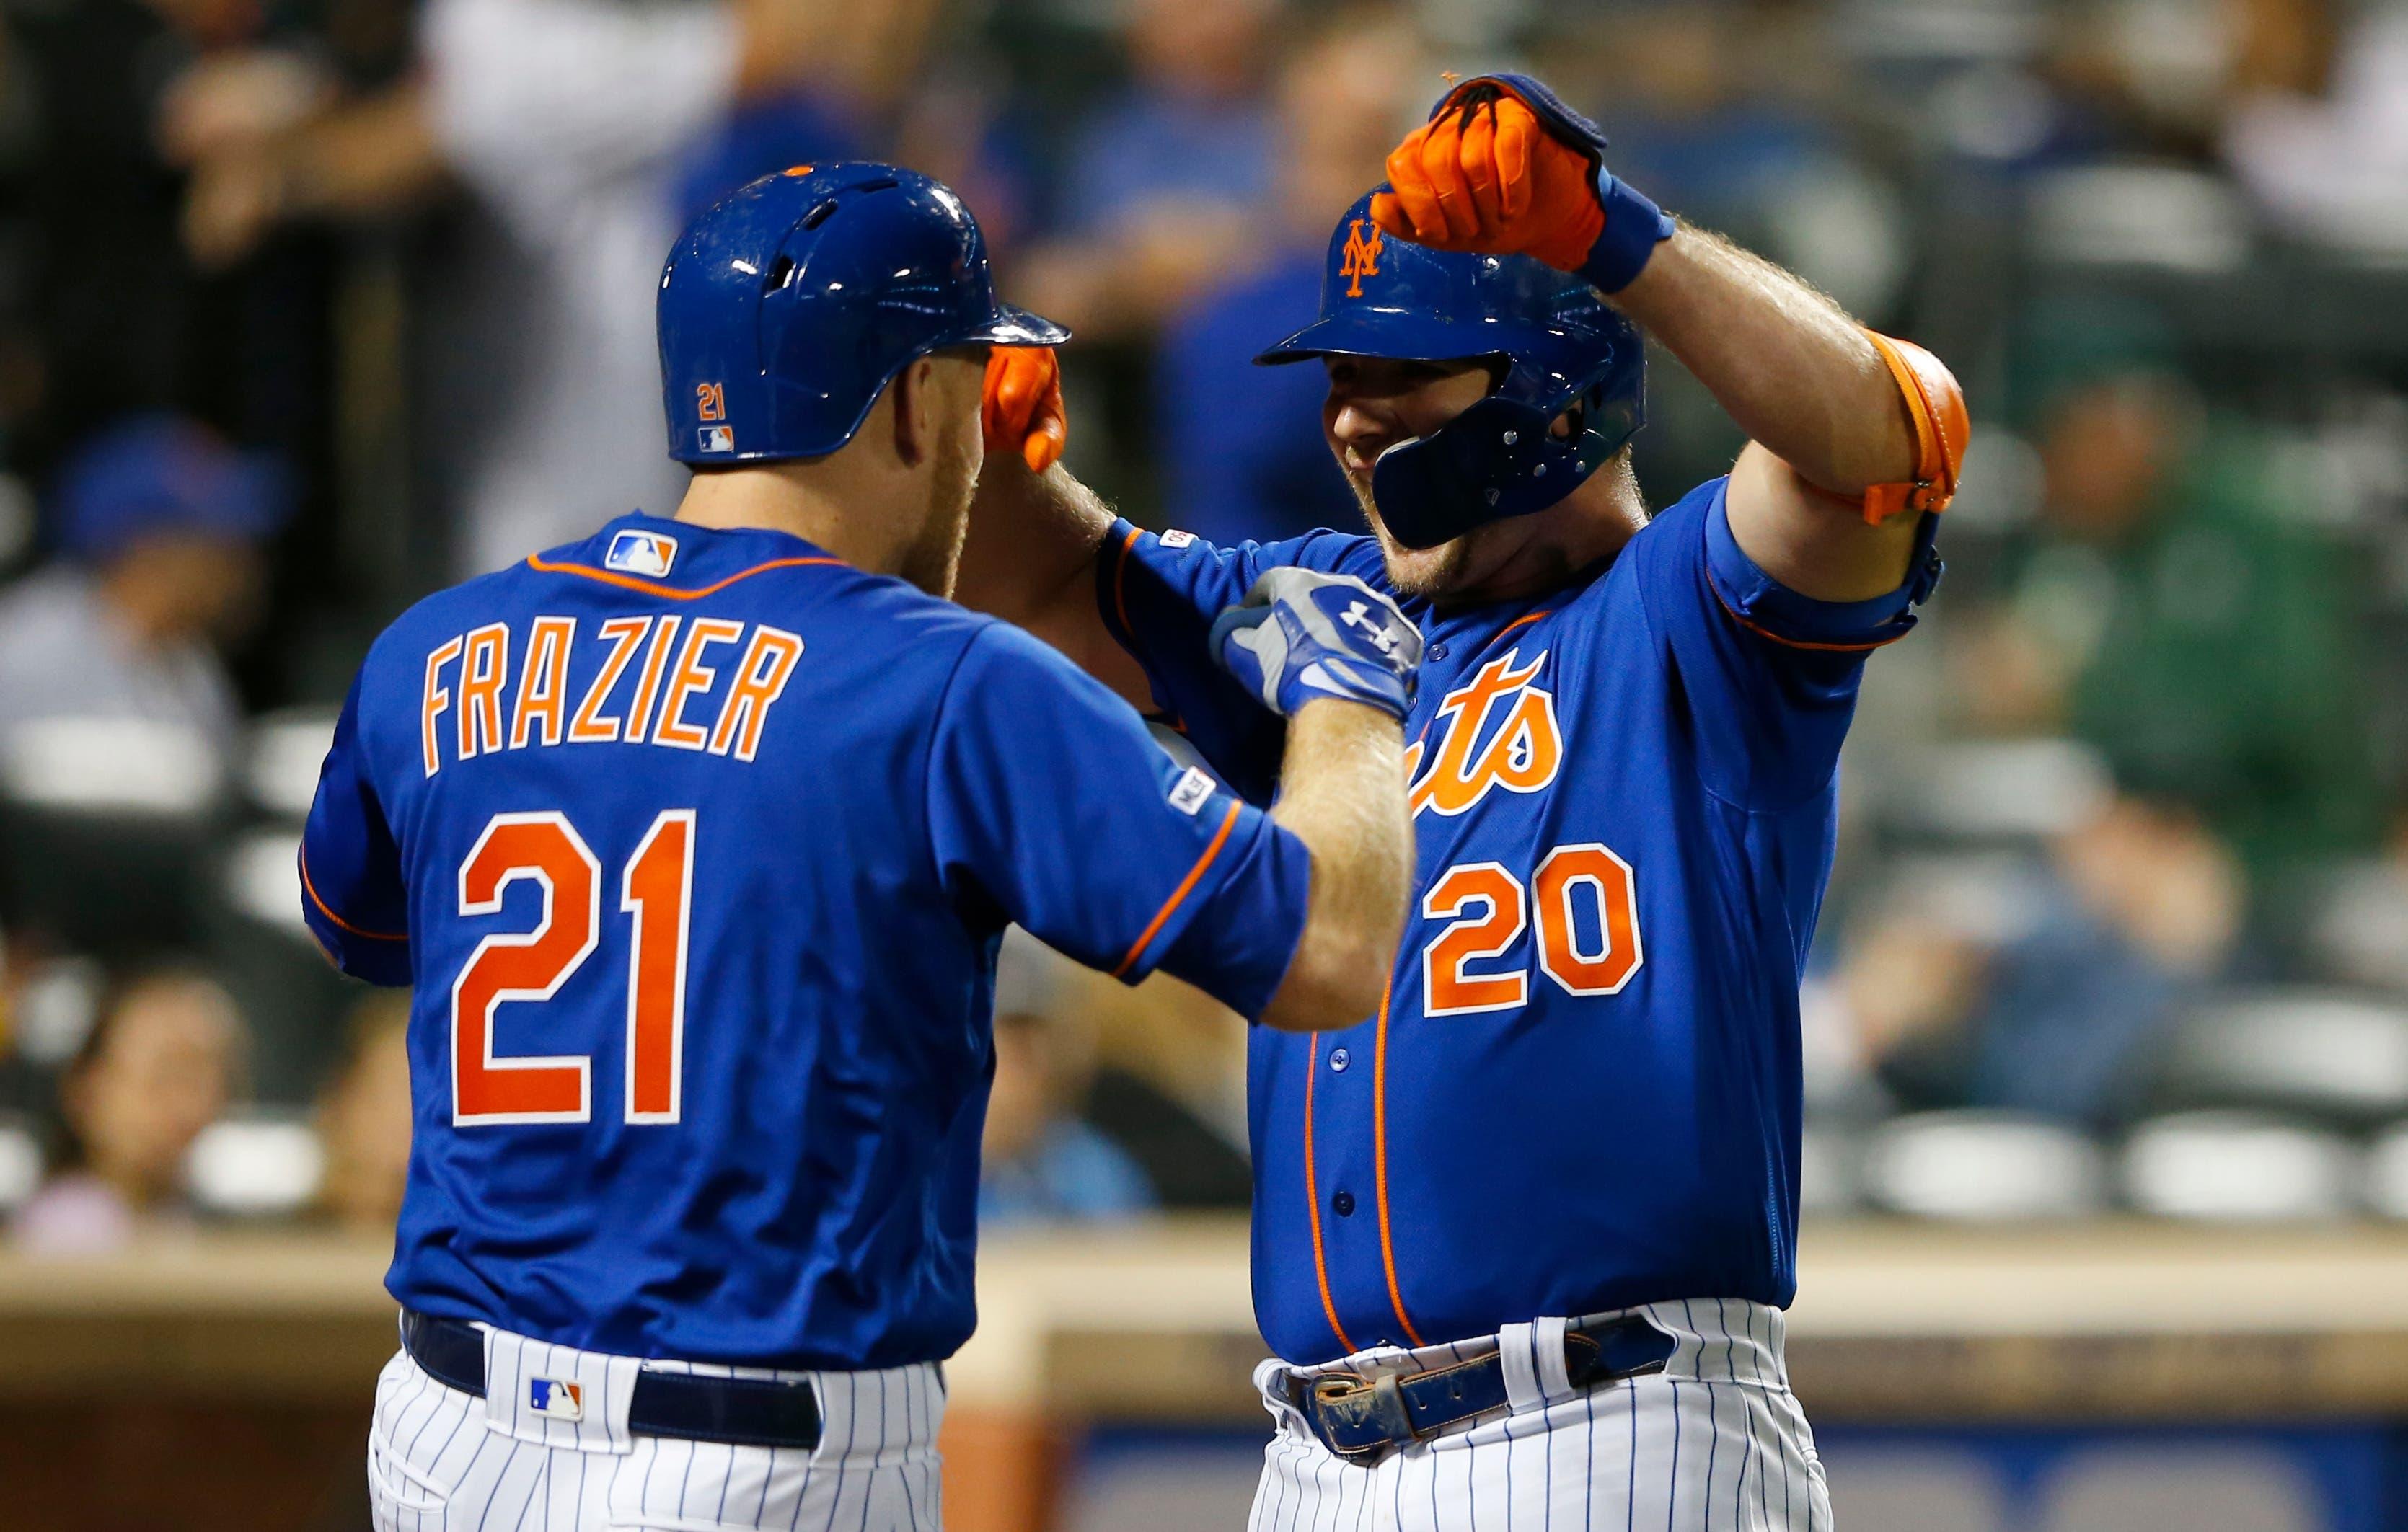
657, 888
1566, 873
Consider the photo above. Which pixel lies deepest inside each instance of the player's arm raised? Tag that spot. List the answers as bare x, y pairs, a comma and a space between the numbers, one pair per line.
1852, 435
1035, 530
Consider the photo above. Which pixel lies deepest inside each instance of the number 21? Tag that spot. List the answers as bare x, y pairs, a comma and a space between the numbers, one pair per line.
657, 890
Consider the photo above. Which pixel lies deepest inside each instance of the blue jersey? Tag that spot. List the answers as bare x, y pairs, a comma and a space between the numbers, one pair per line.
1583, 1093
697, 846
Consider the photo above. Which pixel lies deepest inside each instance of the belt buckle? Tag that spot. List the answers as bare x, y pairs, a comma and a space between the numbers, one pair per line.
1379, 1404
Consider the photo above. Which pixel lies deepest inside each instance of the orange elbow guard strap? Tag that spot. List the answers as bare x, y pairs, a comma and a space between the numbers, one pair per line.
1936, 404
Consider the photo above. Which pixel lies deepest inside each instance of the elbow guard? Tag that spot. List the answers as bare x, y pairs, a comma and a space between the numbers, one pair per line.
1936, 406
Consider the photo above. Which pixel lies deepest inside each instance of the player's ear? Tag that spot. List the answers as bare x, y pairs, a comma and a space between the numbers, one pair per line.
914, 399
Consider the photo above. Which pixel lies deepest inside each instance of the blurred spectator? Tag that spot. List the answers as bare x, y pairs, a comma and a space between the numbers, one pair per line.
1241, 447
160, 526
159, 1066
364, 1119
2047, 989
1041, 1162
2170, 611
1706, 102
2325, 144
551, 419
1167, 181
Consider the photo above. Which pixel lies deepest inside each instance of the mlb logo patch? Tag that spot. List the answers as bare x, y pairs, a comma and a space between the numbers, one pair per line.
1191, 791
717, 438
641, 553
1176, 538
555, 1397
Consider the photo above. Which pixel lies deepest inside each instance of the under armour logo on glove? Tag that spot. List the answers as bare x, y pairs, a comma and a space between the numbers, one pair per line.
1301, 636
1380, 635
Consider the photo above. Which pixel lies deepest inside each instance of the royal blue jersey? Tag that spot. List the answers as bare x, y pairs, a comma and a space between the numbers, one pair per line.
697, 846
1583, 1093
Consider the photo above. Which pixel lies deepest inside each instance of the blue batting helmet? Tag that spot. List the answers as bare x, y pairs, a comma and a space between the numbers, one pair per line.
1559, 346
786, 308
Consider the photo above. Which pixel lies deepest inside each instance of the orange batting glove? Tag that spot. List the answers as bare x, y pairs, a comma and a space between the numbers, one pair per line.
1504, 169
1022, 411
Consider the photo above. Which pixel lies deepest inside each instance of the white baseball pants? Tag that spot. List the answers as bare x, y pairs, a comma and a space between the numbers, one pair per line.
1715, 1442
443, 1461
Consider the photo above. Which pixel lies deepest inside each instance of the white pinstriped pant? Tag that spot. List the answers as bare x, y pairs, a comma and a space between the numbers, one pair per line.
436, 1462
1714, 1443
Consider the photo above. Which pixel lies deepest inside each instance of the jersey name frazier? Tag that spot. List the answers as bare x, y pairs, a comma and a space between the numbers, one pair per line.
498, 687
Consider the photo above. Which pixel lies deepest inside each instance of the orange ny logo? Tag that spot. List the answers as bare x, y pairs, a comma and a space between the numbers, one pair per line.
1362, 256
710, 400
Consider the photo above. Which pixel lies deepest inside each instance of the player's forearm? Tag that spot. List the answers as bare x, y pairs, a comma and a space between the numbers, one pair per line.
1029, 558
1342, 794
1795, 371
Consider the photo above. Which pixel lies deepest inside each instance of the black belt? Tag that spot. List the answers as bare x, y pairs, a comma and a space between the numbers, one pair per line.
746, 1412
1360, 1418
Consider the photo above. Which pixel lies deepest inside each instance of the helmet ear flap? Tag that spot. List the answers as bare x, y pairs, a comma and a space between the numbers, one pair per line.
1496, 458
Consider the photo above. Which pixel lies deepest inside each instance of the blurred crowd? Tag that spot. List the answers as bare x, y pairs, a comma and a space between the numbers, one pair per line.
309, 306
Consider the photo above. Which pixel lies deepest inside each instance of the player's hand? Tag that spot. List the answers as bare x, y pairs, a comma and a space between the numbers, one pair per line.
1301, 636
1022, 411
1504, 169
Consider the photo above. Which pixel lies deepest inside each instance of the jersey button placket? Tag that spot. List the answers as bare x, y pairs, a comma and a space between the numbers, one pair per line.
1343, 1204
1339, 1060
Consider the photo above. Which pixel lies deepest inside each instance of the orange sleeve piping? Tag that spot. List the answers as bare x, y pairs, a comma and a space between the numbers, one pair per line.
1120, 568
1178, 894
1763, 632
311, 889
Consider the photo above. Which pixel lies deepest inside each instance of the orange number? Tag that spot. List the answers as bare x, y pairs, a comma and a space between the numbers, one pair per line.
1567, 871
658, 891
1565, 874
485, 1089
657, 888
1446, 989
710, 400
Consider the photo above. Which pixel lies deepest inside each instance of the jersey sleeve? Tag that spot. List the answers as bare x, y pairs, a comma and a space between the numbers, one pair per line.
1770, 675
1048, 800
352, 890
1159, 595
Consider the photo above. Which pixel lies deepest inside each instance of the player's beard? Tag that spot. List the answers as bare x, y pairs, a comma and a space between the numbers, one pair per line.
935, 556
1466, 568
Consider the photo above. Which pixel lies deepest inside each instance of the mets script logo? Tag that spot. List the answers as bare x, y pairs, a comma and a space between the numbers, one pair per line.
1362, 256
1521, 752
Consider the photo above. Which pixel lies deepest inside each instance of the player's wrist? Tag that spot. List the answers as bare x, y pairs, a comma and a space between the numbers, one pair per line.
1352, 715
1348, 683
1633, 225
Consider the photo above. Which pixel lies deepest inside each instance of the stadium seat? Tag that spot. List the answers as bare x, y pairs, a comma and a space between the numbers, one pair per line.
2318, 1053
281, 774
21, 1163
2386, 1172
1984, 1166
1993, 790
256, 1165
105, 828
1830, 1174
2237, 1167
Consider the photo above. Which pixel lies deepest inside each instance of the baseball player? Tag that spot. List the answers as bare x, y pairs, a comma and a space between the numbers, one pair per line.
697, 838
1522, 1234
